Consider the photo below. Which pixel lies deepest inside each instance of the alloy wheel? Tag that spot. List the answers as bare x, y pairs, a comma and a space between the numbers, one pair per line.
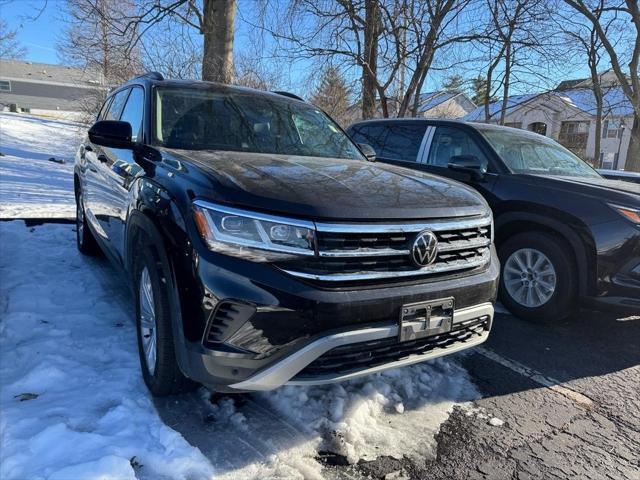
79, 219
529, 277
147, 326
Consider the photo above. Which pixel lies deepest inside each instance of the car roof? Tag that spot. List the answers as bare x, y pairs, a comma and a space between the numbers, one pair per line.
158, 81
447, 121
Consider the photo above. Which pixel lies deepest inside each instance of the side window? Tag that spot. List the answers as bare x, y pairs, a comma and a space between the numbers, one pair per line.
370, 134
133, 113
403, 142
103, 111
114, 110
448, 142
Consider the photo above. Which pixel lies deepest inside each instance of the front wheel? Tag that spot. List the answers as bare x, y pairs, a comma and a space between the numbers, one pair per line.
154, 325
538, 281
85, 241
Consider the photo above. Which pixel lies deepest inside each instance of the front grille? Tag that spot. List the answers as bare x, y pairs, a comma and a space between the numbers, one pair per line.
361, 356
354, 252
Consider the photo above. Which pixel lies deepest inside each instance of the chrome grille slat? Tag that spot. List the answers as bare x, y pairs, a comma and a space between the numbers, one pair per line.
433, 225
363, 252
372, 275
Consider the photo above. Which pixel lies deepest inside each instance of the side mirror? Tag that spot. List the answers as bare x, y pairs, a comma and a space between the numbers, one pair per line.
469, 164
111, 133
368, 151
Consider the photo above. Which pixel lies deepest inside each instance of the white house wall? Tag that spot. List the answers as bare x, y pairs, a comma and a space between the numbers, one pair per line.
554, 111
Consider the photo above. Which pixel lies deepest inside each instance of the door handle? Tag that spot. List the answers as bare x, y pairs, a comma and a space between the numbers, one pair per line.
103, 158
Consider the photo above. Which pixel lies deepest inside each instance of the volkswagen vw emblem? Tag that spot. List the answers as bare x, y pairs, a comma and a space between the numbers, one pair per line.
424, 249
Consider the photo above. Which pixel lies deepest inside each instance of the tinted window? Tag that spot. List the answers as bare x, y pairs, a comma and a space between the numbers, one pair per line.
133, 113
116, 105
448, 142
403, 142
104, 109
214, 119
372, 134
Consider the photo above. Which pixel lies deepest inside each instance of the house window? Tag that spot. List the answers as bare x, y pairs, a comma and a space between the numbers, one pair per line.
574, 127
5, 85
612, 128
574, 134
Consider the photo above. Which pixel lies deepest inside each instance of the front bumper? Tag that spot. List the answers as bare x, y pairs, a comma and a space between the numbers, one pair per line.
287, 369
295, 323
618, 267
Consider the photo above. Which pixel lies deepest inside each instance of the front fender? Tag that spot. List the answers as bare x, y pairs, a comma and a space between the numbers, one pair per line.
575, 233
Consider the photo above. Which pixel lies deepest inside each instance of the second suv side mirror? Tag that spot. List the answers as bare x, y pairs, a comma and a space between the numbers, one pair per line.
368, 151
469, 164
111, 133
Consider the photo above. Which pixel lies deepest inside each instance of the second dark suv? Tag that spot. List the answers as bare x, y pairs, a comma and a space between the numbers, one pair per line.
565, 235
263, 248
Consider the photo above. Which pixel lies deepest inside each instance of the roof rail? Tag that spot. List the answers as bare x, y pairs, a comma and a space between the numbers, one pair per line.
151, 75
288, 94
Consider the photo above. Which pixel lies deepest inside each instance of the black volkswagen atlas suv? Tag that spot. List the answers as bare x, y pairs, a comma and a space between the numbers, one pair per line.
262, 246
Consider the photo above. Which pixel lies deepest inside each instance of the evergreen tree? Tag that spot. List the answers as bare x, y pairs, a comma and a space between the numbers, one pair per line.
479, 89
453, 84
332, 95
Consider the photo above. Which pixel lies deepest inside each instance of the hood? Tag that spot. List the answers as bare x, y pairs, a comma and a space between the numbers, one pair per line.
626, 193
327, 188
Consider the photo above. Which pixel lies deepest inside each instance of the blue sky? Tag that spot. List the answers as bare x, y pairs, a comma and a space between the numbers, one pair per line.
39, 37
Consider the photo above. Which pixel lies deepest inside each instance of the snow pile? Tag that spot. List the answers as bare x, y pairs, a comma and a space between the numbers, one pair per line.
67, 339
31, 186
279, 434
395, 413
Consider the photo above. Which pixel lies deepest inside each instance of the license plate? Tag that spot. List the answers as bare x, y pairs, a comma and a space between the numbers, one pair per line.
424, 319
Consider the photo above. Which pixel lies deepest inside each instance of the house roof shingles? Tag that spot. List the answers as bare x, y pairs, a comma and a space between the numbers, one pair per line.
615, 102
48, 73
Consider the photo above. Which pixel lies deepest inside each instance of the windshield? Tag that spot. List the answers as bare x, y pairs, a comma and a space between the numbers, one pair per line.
524, 153
192, 119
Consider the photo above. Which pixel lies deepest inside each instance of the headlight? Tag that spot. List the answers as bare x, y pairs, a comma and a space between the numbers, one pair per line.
629, 213
251, 235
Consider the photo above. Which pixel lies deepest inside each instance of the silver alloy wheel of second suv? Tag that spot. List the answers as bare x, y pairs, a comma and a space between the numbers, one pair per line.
529, 277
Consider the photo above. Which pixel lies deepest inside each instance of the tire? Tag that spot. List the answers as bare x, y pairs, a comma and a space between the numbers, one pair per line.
85, 241
160, 372
530, 262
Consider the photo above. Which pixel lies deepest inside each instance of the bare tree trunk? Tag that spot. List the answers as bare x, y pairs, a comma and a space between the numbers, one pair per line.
487, 94
370, 67
413, 88
597, 93
218, 29
416, 97
507, 80
633, 154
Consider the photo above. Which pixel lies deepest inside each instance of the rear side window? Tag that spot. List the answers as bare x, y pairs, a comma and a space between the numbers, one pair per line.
133, 113
115, 109
403, 142
448, 142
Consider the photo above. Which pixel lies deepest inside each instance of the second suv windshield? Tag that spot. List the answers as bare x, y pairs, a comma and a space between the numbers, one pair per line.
524, 153
193, 119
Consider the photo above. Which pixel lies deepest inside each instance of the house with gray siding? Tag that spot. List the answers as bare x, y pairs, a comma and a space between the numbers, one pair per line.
46, 89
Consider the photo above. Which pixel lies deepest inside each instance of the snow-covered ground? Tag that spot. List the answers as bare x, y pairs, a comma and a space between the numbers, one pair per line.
67, 337
73, 404
31, 186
